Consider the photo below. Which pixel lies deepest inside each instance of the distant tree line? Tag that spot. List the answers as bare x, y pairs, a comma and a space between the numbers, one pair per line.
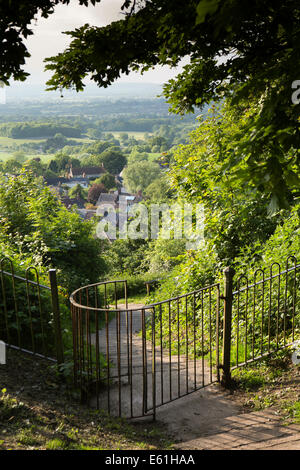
34, 130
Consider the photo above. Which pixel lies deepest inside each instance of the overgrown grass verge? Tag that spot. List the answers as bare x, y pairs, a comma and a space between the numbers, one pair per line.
38, 412
272, 382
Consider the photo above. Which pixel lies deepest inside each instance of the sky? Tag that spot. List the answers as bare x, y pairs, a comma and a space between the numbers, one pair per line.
48, 39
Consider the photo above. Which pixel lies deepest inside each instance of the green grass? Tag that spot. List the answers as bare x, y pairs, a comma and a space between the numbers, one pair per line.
83, 140
45, 414
27, 437
139, 135
45, 158
7, 145
56, 444
256, 374
52, 428
271, 382
135, 299
8, 141
4, 156
250, 378
293, 411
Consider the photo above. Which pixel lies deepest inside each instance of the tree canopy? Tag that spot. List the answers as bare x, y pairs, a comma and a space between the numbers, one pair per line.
112, 159
239, 51
235, 216
36, 226
15, 27
138, 176
95, 191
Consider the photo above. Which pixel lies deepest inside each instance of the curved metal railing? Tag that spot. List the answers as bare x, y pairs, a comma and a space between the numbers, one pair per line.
130, 359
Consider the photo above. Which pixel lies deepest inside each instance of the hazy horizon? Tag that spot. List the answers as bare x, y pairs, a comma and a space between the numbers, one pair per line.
27, 90
47, 40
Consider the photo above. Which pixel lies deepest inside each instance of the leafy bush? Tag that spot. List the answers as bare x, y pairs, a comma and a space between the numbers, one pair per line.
37, 227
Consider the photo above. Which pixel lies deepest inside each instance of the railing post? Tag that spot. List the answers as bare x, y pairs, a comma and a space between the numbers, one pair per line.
153, 366
56, 317
228, 289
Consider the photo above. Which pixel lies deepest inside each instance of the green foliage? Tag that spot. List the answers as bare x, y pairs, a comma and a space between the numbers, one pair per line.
283, 243
259, 46
28, 320
58, 141
98, 147
27, 438
136, 156
63, 161
125, 255
107, 180
136, 286
249, 379
112, 159
138, 176
19, 156
56, 444
53, 166
159, 190
197, 269
16, 24
78, 192
235, 215
34, 224
26, 130
162, 255
35, 166
10, 166
293, 409
9, 406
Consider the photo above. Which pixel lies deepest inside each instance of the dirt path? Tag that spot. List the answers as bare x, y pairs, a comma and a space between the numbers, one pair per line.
174, 375
205, 419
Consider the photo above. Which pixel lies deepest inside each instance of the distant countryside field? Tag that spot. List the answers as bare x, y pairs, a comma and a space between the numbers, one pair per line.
8, 147
5, 155
9, 142
139, 135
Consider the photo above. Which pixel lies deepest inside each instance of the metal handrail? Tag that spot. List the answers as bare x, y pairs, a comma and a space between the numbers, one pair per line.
264, 280
36, 319
20, 278
112, 344
145, 307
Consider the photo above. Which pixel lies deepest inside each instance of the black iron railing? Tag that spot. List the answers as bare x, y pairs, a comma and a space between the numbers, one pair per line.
132, 359
29, 312
265, 312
